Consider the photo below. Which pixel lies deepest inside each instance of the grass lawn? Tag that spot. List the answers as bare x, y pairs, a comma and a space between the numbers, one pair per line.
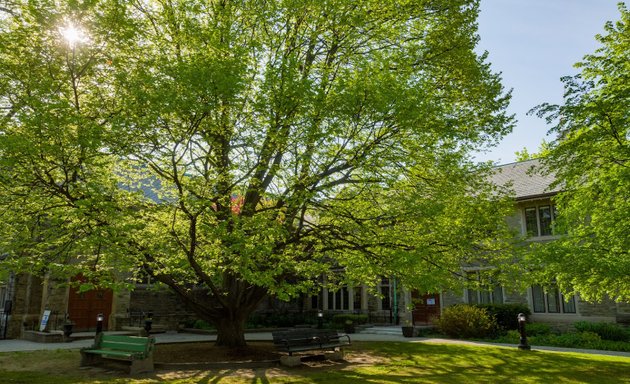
383, 363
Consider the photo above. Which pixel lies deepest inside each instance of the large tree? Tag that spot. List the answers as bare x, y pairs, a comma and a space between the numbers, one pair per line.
239, 149
591, 160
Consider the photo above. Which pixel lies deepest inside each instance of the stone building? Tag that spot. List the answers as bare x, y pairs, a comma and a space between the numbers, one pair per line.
29, 296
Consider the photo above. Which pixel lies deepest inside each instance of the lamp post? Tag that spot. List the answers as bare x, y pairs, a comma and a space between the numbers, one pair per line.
521, 329
320, 319
99, 323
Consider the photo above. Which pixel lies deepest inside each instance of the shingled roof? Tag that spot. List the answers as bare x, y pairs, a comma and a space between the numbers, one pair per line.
525, 179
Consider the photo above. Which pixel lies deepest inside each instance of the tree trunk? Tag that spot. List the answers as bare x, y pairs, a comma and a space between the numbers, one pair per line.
231, 331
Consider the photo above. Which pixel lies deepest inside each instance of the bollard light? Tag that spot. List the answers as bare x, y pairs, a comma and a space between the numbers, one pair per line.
320, 319
99, 323
148, 323
521, 329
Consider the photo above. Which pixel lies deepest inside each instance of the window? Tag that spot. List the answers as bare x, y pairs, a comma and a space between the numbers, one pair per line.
551, 301
338, 300
539, 220
358, 293
385, 291
491, 293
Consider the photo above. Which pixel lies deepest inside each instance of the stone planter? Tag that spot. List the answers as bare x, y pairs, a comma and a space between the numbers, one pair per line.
407, 331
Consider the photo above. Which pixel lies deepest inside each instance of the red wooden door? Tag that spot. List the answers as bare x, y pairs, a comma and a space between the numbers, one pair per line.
426, 307
83, 308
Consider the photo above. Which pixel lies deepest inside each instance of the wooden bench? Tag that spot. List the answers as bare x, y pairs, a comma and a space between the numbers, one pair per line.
138, 351
304, 339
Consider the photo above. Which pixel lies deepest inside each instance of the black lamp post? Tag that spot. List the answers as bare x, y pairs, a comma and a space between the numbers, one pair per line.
99, 323
521, 329
148, 323
320, 319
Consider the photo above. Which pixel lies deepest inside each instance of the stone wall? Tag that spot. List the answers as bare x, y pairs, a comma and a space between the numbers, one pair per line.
27, 303
168, 310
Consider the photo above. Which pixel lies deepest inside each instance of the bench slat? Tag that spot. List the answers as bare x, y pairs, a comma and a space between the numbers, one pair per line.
307, 340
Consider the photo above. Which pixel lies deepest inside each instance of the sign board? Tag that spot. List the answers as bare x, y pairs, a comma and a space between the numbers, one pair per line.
431, 301
44, 321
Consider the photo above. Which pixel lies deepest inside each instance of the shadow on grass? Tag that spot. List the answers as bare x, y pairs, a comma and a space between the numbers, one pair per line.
393, 363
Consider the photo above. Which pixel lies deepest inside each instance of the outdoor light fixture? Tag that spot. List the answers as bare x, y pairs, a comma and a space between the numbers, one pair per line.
521, 329
99, 323
320, 319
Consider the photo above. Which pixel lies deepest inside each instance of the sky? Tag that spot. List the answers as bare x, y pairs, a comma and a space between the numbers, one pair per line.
534, 43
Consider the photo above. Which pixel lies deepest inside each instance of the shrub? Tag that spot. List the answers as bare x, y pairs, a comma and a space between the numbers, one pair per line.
537, 329
506, 314
589, 340
201, 324
607, 331
279, 319
464, 321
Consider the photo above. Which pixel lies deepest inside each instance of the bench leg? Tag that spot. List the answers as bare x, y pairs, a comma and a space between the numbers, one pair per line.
141, 366
88, 359
335, 355
290, 361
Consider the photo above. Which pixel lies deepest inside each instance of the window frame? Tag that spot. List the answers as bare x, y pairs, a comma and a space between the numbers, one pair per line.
544, 227
481, 294
557, 306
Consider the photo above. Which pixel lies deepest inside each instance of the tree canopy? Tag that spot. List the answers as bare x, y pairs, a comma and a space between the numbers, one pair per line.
591, 160
247, 148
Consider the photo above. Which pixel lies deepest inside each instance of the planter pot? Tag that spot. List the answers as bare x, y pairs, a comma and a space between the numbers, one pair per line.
407, 331
67, 330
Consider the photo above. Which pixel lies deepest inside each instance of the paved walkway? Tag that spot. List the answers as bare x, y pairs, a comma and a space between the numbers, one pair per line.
164, 338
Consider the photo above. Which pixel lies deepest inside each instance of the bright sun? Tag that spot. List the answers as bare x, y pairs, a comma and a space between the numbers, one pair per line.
72, 34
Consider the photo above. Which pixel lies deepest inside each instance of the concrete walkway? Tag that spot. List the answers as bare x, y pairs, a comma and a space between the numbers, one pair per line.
164, 338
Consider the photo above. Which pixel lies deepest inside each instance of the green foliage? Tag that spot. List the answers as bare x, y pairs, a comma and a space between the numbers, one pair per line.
286, 319
505, 314
590, 159
248, 149
466, 321
537, 329
201, 324
607, 331
349, 318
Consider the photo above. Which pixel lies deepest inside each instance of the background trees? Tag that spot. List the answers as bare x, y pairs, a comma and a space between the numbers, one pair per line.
591, 160
235, 149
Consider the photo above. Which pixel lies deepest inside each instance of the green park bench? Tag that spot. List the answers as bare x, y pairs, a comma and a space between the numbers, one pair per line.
308, 339
138, 351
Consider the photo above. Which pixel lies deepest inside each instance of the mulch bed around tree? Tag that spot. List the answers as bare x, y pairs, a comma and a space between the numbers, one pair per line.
207, 352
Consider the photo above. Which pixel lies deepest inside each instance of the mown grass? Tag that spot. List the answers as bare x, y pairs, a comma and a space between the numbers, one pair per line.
400, 363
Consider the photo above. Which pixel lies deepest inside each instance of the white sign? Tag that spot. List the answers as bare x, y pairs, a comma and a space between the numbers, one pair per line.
44, 322
430, 301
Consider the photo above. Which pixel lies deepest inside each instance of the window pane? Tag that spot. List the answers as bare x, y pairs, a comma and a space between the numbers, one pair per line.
553, 301
385, 301
345, 297
497, 295
545, 220
569, 306
338, 299
484, 297
357, 297
314, 302
531, 224
472, 296
331, 300
538, 299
